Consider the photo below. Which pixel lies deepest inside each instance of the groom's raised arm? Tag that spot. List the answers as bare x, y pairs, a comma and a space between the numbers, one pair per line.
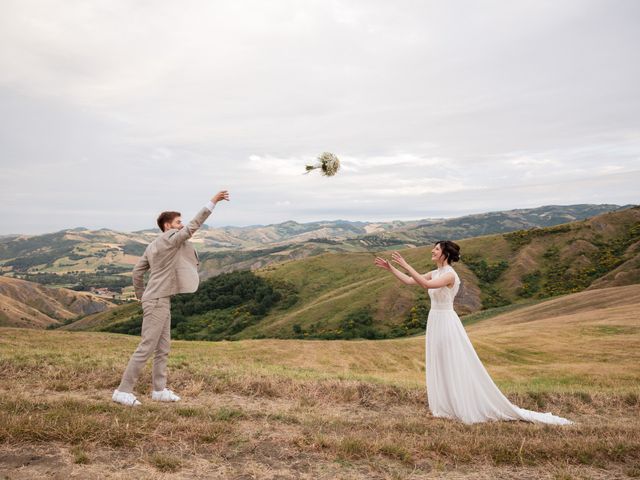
187, 232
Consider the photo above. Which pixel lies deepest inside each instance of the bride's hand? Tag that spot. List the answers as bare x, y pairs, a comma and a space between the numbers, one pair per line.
382, 263
396, 257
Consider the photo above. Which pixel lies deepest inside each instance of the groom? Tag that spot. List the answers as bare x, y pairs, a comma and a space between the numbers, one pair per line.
173, 268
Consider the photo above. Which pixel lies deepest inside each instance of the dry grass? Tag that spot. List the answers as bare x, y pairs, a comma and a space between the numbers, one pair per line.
295, 409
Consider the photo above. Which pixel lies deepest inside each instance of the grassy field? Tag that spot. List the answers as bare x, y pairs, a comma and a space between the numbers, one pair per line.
330, 409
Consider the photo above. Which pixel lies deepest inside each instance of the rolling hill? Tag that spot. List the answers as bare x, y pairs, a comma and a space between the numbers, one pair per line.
79, 258
31, 305
342, 295
495, 270
294, 241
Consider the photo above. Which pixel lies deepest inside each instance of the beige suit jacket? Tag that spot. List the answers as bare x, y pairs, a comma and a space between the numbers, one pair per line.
172, 262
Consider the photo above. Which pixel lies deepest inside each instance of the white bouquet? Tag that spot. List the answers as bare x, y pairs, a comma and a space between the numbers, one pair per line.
328, 163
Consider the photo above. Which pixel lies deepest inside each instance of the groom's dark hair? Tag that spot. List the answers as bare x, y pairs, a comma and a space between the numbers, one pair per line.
167, 217
451, 250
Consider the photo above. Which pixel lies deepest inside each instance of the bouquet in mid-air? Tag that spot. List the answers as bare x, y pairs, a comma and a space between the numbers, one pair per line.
328, 164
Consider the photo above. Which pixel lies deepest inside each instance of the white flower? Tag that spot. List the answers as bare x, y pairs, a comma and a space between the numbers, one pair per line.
328, 163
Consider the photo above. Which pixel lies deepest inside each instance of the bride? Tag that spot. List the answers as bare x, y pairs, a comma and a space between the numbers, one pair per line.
458, 386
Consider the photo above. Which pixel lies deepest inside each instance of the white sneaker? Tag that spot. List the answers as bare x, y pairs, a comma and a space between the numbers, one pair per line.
165, 395
125, 398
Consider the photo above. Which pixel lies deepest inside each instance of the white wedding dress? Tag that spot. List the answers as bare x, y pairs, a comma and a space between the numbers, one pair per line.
458, 385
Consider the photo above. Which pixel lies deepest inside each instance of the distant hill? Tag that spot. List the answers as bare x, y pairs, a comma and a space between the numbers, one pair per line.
31, 305
373, 237
79, 258
505, 221
342, 295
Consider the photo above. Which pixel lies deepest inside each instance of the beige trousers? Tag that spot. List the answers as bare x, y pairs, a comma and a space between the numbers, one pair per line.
156, 339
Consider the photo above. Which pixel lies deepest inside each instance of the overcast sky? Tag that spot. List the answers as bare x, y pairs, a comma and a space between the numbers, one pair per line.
112, 111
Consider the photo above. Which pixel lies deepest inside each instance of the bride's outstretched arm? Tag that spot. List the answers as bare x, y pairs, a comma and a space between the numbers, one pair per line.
419, 279
404, 278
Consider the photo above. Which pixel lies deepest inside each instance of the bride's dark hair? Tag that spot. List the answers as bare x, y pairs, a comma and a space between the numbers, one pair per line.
451, 250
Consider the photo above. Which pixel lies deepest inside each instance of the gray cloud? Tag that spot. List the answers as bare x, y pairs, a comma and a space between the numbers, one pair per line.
114, 111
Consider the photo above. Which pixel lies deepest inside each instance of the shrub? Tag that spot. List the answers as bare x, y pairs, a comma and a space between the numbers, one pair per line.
222, 307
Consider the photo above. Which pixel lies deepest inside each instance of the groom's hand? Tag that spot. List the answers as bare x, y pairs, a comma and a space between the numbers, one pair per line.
221, 195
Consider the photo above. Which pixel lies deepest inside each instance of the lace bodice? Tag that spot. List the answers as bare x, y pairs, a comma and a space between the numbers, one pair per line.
442, 298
